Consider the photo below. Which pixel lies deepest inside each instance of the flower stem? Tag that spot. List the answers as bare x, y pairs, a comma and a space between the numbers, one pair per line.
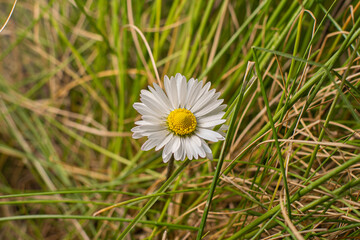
170, 168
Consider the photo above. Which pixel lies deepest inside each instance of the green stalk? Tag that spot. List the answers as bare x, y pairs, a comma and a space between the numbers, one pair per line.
281, 160
297, 196
204, 21
81, 217
331, 112
153, 200
226, 145
319, 77
293, 62
233, 38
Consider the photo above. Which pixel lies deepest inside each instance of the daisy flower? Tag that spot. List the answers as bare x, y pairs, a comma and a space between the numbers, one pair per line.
179, 118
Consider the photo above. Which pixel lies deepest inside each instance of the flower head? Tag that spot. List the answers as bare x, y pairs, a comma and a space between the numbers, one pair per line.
180, 118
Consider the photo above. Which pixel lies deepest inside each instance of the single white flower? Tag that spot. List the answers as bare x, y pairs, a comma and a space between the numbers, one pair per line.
180, 118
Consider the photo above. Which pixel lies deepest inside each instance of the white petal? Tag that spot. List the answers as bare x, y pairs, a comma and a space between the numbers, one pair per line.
197, 93
224, 127
178, 76
194, 153
193, 93
209, 156
209, 134
143, 123
205, 88
188, 150
159, 134
172, 146
216, 111
150, 128
209, 107
137, 135
174, 92
211, 124
152, 119
175, 144
155, 100
201, 152
144, 110
155, 107
183, 152
190, 89
167, 157
222, 130
202, 101
182, 89
205, 146
210, 118
178, 154
195, 140
160, 94
203, 91
167, 86
207, 150
198, 149
167, 148
164, 142
171, 91
149, 144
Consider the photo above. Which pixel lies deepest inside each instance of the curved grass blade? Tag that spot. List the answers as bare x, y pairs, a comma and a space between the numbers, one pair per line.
226, 145
297, 196
274, 131
81, 217
153, 200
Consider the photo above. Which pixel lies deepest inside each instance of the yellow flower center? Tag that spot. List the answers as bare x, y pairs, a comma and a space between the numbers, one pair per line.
181, 121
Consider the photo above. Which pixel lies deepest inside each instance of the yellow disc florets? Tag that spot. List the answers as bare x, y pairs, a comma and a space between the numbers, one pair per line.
181, 121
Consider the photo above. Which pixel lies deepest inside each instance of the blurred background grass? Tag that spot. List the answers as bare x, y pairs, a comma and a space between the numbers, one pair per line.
71, 70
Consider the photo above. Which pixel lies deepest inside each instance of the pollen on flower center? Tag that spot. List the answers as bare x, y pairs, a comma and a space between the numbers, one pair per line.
181, 121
